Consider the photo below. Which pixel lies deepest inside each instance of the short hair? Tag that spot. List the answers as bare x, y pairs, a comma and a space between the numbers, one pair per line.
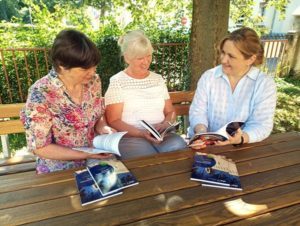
72, 48
247, 42
135, 44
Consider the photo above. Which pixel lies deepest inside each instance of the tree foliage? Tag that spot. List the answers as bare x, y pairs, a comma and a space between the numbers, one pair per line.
125, 14
9, 9
242, 12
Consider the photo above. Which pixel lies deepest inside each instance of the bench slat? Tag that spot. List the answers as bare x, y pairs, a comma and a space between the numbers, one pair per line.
11, 126
10, 110
181, 96
18, 168
182, 109
17, 160
181, 101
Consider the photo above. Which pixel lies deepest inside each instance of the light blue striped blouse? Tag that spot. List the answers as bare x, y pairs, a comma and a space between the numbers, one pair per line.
253, 101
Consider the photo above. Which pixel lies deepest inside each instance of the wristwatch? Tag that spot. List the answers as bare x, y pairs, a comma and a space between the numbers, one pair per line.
239, 144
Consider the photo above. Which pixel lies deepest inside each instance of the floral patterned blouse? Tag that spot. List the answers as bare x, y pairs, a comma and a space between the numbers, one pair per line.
50, 116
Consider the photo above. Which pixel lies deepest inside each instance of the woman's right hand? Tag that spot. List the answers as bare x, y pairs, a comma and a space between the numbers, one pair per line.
198, 144
145, 134
106, 130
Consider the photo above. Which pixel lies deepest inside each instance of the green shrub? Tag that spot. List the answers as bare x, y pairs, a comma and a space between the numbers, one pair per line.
288, 102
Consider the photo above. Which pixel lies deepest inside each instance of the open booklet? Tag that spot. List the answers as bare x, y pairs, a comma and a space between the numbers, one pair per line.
220, 135
159, 135
105, 143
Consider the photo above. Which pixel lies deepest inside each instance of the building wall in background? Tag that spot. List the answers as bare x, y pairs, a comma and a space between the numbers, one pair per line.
273, 22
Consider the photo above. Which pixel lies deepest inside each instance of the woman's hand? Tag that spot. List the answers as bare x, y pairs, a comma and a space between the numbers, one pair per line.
102, 127
99, 156
235, 139
147, 135
106, 130
198, 144
160, 127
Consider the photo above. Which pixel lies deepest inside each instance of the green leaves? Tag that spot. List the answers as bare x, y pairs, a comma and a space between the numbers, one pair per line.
288, 102
279, 5
242, 13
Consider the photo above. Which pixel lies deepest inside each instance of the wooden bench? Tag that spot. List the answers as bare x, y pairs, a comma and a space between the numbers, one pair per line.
10, 124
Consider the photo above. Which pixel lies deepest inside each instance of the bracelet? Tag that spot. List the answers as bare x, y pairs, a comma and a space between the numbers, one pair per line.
240, 144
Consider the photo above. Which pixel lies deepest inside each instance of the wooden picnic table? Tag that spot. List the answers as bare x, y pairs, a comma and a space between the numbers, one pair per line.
270, 176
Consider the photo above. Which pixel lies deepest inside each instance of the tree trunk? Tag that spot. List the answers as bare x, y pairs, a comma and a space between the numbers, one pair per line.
209, 26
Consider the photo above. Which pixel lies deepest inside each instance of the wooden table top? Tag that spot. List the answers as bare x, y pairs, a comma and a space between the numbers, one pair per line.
270, 177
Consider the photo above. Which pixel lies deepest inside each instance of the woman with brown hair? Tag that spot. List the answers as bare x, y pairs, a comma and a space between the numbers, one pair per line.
236, 90
64, 109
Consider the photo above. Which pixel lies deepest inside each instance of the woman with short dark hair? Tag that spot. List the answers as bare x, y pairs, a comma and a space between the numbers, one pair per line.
65, 107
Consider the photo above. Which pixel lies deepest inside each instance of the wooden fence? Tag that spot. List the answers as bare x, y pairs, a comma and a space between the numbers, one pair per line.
275, 57
21, 67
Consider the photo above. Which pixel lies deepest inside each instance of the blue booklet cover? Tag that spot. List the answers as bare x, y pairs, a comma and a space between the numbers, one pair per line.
111, 175
88, 190
215, 171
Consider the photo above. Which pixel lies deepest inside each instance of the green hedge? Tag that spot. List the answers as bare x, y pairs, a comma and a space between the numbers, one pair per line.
170, 61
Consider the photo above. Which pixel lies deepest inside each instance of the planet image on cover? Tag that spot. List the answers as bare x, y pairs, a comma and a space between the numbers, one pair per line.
206, 161
107, 179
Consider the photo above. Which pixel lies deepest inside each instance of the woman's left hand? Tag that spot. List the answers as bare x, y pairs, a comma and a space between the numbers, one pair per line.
99, 156
235, 139
160, 127
106, 130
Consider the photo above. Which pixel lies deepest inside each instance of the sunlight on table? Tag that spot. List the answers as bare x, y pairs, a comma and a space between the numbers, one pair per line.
241, 208
170, 203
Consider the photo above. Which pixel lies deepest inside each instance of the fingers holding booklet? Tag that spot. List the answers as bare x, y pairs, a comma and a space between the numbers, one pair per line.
159, 133
200, 140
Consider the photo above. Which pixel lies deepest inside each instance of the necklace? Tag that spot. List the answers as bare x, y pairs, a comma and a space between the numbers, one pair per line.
75, 93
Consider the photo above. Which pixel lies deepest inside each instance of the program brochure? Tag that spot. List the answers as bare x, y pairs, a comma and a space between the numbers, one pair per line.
88, 190
111, 175
220, 135
102, 179
159, 135
105, 143
215, 171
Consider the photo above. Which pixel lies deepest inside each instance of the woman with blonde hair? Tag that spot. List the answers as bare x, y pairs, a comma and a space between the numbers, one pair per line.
136, 94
